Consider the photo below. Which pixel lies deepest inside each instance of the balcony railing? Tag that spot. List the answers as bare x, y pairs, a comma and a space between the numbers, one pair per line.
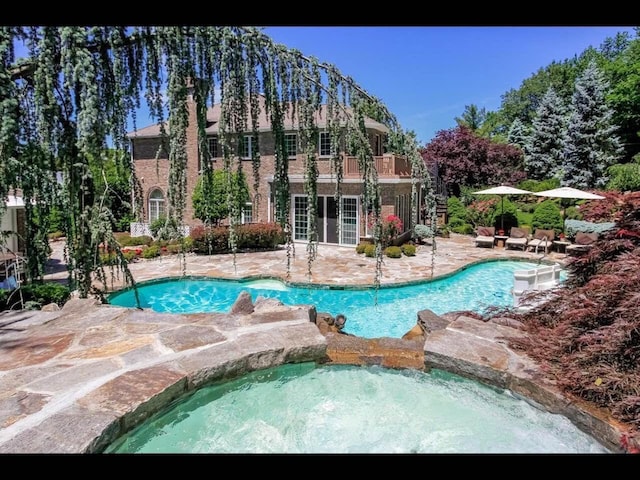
387, 166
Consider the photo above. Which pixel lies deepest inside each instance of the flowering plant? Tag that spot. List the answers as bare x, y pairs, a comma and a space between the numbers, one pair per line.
391, 228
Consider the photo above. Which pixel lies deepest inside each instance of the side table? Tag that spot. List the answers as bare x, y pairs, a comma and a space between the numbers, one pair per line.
561, 245
500, 239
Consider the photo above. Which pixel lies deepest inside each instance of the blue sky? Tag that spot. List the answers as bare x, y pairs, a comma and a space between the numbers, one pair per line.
427, 74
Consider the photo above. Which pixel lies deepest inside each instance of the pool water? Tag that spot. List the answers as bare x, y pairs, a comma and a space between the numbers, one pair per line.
387, 312
305, 408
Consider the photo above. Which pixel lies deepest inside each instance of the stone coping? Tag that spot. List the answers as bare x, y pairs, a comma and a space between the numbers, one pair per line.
80, 380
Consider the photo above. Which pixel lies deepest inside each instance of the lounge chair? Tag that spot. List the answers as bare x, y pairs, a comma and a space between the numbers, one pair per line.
518, 238
583, 242
485, 236
542, 239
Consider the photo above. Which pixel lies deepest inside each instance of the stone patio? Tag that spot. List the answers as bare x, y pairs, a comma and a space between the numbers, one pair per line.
73, 380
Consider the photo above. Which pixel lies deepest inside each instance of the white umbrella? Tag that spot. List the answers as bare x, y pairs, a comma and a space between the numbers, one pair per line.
569, 192
503, 190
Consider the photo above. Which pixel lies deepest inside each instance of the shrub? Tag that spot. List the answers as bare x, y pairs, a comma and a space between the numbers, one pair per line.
391, 228
455, 208
539, 185
370, 250
43, 293
361, 246
393, 252
259, 236
547, 216
422, 231
151, 252
164, 228
574, 226
409, 249
480, 212
129, 241
210, 240
464, 229
455, 222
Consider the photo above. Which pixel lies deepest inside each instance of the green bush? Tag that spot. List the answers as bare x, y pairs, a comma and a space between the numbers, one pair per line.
164, 229
370, 250
393, 252
128, 241
573, 213
361, 246
108, 259
625, 177
539, 185
44, 293
464, 229
455, 222
151, 252
409, 249
455, 208
547, 216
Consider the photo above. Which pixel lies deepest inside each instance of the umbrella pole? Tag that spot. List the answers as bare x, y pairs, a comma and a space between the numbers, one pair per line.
502, 214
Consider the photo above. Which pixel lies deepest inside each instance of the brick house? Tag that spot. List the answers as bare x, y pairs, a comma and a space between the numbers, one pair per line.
394, 174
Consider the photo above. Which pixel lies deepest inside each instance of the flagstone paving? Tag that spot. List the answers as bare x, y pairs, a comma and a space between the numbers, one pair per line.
73, 380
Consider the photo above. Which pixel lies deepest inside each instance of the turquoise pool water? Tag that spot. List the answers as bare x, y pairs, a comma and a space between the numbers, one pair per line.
340, 409
387, 312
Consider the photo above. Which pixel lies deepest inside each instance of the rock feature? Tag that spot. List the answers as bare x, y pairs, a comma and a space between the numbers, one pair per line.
430, 322
243, 304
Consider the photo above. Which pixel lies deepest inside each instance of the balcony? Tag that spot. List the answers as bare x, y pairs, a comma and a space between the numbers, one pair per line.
387, 166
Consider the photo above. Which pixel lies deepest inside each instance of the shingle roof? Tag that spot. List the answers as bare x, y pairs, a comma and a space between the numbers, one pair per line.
264, 124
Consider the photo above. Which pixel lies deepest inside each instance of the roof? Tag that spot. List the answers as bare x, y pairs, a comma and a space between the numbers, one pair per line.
264, 123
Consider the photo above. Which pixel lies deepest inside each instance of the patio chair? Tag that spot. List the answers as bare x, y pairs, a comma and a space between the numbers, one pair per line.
518, 238
485, 236
583, 242
542, 239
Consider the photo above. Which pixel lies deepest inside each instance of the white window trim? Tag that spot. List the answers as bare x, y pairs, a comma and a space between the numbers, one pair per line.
320, 135
295, 136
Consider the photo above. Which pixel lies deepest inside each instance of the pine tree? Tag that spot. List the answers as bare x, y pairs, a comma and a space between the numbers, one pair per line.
545, 148
591, 144
518, 134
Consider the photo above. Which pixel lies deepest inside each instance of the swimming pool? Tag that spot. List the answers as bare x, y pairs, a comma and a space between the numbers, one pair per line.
303, 408
390, 311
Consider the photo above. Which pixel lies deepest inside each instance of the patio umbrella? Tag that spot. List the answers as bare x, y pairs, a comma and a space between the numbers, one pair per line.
569, 192
503, 190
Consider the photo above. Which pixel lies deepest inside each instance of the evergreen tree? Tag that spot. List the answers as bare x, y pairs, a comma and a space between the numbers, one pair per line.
472, 117
591, 144
545, 148
518, 134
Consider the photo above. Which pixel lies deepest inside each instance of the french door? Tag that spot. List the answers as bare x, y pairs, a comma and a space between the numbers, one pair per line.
327, 219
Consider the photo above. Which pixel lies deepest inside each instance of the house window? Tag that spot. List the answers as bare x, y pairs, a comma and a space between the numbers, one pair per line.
291, 142
325, 144
247, 213
247, 146
300, 217
213, 147
156, 205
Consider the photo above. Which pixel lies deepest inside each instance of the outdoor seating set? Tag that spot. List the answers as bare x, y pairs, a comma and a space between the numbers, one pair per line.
541, 240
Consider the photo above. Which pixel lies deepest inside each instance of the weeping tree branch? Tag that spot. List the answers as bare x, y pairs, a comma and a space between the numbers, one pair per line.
85, 83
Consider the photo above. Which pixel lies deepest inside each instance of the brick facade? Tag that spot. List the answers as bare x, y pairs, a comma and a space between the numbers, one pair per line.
153, 174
